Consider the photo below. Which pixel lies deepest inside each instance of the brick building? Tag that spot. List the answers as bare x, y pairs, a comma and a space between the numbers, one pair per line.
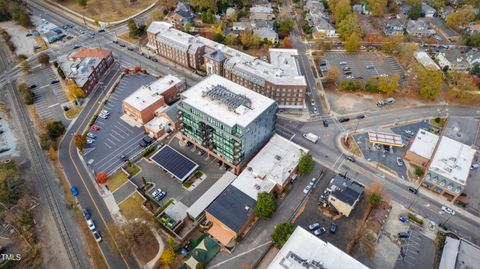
86, 66
421, 148
279, 79
144, 102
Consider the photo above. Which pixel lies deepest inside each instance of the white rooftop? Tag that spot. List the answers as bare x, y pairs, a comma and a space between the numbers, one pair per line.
385, 139
424, 59
271, 166
285, 59
210, 195
157, 124
424, 144
303, 245
146, 95
242, 115
452, 160
459, 254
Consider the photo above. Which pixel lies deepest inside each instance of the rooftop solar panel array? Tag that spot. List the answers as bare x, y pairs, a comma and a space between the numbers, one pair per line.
175, 163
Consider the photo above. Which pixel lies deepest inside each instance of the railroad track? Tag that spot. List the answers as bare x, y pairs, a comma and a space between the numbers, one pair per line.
40, 166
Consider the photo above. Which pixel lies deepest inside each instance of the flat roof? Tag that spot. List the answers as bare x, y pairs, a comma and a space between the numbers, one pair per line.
286, 59
463, 130
234, 105
303, 248
424, 144
424, 59
389, 139
459, 254
196, 209
146, 95
271, 166
157, 124
452, 160
232, 207
174, 162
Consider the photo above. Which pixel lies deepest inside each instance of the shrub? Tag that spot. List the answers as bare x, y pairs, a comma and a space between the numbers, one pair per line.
414, 218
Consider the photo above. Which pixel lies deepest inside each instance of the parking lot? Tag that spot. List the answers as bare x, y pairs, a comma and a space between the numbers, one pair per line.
116, 137
361, 65
48, 97
387, 157
417, 251
154, 173
312, 214
473, 190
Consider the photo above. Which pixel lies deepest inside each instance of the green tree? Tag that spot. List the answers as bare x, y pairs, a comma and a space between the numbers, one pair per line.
281, 233
284, 24
353, 42
231, 39
305, 164
348, 26
132, 28
342, 9
207, 17
391, 43
83, 3
377, 7
266, 205
256, 40
246, 39
475, 70
43, 59
460, 17
24, 19
415, 11
204, 5
55, 129
26, 92
188, 26
168, 256
374, 199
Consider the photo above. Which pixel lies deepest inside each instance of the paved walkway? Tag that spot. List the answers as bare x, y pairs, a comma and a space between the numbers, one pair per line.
124, 192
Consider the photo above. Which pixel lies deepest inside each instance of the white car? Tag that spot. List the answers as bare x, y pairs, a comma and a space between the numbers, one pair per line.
103, 116
90, 141
105, 112
97, 236
91, 225
448, 210
307, 189
343, 63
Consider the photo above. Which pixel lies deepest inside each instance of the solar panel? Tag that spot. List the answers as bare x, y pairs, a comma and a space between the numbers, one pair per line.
175, 163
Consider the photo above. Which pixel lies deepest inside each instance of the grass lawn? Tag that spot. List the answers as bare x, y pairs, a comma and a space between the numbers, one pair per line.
131, 208
117, 180
111, 10
134, 170
126, 37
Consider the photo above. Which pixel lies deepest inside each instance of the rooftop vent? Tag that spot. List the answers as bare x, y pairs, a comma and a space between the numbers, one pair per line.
247, 208
250, 169
278, 158
257, 187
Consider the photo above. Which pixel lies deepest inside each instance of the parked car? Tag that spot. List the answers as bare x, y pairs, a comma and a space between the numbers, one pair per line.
101, 30
122, 45
94, 128
313, 226
325, 123
347, 68
370, 66
91, 135
320, 231
155, 193
123, 158
115, 41
448, 210
403, 219
307, 189
474, 166
103, 116
359, 117
399, 161
412, 190
74, 191
91, 225
403, 235
86, 214
33, 86
104, 111
343, 119
130, 48
54, 81
76, 47
333, 227
90, 141
409, 132
350, 158
97, 236
343, 63
154, 59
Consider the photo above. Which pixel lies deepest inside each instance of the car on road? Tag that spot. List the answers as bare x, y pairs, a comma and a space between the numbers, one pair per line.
82, 32
314, 226
91, 135
325, 123
33, 86
387, 101
86, 214
97, 236
412, 190
370, 66
74, 191
76, 47
101, 30
403, 219
359, 77
448, 210
359, 117
115, 41
307, 189
95, 128
54, 81
342, 63
333, 227
91, 225
399, 161
320, 231
403, 234
350, 158
130, 48
154, 59
343, 119
122, 45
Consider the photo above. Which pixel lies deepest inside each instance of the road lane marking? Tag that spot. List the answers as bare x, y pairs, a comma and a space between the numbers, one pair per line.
50, 106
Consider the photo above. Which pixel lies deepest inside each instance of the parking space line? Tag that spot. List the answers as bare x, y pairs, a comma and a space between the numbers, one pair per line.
109, 140
108, 146
113, 131
125, 129
98, 122
114, 137
106, 167
128, 142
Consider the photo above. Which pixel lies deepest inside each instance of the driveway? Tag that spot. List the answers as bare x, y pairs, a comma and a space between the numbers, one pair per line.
116, 137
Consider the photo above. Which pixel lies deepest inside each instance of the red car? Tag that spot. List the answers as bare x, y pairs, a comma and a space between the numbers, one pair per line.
95, 128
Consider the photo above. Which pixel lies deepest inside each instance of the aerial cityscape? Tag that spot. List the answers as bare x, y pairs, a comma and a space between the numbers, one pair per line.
250, 134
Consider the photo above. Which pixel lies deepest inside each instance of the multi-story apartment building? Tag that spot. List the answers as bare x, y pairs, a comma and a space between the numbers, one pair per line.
227, 120
86, 66
279, 79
